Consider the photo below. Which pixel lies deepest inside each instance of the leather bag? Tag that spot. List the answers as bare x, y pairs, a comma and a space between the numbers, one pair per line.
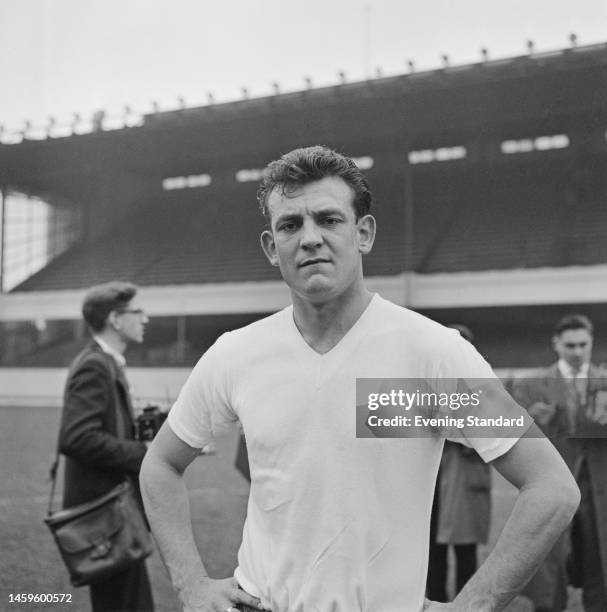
102, 537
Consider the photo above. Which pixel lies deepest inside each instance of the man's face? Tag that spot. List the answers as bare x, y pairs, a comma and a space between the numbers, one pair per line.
574, 346
130, 322
316, 240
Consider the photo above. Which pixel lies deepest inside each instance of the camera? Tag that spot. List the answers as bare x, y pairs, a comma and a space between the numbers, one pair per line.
149, 422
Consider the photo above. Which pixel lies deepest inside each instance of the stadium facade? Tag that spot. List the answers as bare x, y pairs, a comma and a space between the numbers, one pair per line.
490, 183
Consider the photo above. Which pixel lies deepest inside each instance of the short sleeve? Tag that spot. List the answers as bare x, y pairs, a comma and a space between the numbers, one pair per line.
203, 407
460, 360
464, 370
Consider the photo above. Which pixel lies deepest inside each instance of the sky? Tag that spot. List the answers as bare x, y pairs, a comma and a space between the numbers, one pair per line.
58, 57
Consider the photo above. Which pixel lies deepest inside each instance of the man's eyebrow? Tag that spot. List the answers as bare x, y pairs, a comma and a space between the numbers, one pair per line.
323, 212
288, 217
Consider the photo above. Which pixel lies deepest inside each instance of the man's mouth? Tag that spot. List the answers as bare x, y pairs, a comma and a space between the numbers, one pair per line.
311, 262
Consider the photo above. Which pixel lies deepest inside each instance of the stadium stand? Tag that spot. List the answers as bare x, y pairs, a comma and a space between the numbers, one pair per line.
179, 239
501, 166
519, 215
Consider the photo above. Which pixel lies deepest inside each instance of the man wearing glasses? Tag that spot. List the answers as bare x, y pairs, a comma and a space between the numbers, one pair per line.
97, 432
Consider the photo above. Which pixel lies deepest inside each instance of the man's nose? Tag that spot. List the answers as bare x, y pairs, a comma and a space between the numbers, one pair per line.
310, 236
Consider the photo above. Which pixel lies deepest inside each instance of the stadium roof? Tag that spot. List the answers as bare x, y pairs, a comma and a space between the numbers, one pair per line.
493, 99
470, 214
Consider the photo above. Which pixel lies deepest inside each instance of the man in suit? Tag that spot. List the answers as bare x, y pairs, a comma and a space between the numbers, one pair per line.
97, 427
565, 399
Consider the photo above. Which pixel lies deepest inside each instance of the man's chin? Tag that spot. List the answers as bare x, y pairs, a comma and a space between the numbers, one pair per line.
316, 289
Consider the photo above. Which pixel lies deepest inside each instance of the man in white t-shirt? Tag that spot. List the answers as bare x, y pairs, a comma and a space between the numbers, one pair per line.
337, 522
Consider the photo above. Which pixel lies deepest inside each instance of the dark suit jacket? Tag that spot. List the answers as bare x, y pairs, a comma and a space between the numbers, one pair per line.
100, 450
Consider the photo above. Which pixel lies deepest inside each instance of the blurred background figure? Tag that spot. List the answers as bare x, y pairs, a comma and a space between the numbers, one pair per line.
564, 399
460, 513
97, 434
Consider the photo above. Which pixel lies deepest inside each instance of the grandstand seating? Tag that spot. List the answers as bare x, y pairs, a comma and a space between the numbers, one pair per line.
514, 217
523, 214
488, 210
180, 238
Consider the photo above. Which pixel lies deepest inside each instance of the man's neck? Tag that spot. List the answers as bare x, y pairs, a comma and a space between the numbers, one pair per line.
112, 340
324, 324
568, 370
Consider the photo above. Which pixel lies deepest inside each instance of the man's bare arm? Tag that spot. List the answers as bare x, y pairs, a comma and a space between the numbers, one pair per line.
547, 500
167, 507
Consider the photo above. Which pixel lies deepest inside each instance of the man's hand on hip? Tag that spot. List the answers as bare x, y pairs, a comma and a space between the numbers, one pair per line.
480, 605
221, 596
435, 606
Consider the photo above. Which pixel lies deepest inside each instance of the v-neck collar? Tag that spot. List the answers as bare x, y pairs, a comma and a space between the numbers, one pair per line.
343, 342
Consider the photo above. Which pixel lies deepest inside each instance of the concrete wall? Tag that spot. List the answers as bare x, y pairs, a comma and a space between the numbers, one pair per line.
529, 287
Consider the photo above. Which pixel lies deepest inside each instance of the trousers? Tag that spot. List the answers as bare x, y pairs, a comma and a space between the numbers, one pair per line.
128, 591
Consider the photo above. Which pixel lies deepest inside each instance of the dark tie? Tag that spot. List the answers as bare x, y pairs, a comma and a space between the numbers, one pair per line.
580, 385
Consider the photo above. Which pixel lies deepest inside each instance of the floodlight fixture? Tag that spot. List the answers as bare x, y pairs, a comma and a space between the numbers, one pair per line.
127, 112
97, 120
50, 125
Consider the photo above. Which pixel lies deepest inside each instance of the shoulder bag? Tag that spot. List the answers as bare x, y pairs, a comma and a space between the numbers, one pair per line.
101, 537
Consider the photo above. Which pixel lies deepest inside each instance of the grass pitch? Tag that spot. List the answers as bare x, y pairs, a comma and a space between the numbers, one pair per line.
30, 562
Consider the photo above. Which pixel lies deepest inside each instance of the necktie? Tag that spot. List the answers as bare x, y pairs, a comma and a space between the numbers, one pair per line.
579, 386
580, 390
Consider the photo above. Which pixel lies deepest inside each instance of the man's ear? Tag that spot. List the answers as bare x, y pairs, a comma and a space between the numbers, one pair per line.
113, 320
366, 234
269, 246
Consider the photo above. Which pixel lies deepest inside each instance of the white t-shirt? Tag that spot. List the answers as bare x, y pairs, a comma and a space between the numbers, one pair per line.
334, 522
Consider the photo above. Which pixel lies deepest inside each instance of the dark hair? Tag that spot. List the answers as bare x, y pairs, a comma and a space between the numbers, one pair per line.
302, 166
574, 321
100, 300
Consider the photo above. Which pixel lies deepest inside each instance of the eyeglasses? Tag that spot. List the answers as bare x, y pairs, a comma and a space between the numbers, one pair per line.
137, 311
